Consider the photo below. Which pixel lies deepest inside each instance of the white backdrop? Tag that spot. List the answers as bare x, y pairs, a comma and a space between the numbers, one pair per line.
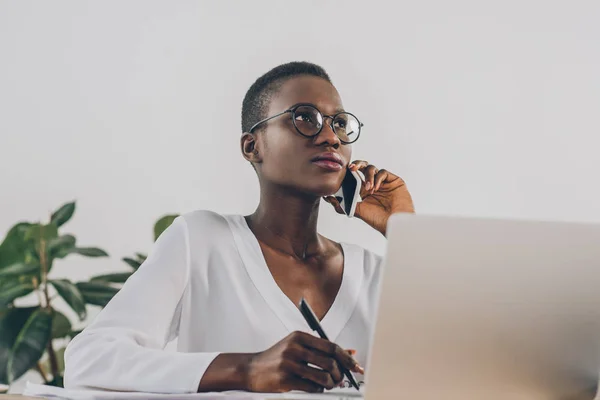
132, 108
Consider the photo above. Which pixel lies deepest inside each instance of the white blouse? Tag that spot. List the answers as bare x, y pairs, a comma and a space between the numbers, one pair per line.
207, 284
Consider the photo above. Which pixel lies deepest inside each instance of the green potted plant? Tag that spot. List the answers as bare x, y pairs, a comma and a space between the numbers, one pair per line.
29, 335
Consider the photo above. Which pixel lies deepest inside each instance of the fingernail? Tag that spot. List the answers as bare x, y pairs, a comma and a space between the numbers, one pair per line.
368, 185
358, 367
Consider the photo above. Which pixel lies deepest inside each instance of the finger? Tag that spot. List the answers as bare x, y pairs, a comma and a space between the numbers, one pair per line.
328, 364
369, 171
348, 362
293, 373
335, 203
317, 376
330, 349
358, 164
357, 168
380, 177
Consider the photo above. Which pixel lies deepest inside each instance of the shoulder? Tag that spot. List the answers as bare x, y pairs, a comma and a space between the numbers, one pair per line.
371, 262
372, 259
369, 258
204, 221
207, 229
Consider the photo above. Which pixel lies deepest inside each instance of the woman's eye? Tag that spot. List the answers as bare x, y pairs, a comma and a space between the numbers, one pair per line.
340, 124
304, 118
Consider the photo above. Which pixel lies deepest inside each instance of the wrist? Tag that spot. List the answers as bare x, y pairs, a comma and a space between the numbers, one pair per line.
228, 371
244, 372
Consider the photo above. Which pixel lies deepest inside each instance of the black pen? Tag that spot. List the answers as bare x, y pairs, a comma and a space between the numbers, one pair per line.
313, 322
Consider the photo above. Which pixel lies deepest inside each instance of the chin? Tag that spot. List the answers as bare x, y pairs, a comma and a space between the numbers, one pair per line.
327, 190
322, 185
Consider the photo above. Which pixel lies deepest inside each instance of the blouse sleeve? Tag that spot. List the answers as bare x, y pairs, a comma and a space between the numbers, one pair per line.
123, 348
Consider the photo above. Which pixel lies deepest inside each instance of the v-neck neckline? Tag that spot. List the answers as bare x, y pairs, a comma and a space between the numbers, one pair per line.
288, 313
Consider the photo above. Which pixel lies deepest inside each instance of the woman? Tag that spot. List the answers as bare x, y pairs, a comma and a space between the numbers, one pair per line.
227, 286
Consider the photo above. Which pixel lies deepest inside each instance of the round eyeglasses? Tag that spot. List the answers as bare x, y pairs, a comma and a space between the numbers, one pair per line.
309, 122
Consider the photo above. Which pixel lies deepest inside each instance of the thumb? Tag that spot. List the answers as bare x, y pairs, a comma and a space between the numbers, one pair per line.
335, 203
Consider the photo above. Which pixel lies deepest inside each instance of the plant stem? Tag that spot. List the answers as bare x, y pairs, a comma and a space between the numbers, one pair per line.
36, 285
52, 358
44, 265
39, 369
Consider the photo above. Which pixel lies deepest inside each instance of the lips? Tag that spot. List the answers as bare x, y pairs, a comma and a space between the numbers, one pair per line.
329, 161
331, 157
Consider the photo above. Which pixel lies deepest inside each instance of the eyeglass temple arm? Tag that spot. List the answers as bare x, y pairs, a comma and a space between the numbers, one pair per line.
267, 119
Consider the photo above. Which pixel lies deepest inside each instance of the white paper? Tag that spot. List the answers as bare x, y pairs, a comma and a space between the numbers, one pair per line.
51, 392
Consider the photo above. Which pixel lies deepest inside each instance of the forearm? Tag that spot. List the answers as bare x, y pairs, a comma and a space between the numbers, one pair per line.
112, 360
228, 371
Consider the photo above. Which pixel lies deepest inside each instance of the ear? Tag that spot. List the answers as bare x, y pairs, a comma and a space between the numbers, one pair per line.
251, 148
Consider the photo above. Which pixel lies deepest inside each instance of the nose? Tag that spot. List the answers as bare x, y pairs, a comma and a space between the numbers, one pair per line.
328, 135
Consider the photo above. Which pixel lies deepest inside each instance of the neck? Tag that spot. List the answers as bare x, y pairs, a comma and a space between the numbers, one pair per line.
287, 221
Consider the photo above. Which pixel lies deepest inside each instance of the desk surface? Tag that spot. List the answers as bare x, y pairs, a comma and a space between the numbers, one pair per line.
273, 396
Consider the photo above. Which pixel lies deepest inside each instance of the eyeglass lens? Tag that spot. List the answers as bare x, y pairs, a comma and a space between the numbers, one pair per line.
309, 121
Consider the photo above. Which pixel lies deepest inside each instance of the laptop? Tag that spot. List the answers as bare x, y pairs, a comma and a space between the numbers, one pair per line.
487, 309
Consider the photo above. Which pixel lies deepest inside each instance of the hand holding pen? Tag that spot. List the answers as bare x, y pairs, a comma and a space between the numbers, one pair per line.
284, 366
313, 323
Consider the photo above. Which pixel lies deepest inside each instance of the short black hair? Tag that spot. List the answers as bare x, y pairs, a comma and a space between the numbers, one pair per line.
258, 97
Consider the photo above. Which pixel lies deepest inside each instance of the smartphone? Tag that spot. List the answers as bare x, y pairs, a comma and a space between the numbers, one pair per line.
349, 193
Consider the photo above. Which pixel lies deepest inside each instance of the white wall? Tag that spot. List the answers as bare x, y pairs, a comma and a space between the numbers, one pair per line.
133, 107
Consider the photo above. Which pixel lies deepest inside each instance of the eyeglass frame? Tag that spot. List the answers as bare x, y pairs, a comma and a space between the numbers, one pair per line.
332, 117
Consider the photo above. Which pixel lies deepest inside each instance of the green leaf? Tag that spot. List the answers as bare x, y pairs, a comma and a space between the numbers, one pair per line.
11, 322
119, 277
19, 268
40, 236
89, 251
162, 224
63, 214
132, 263
61, 246
10, 281
12, 291
68, 291
37, 232
97, 293
31, 255
12, 249
30, 344
61, 326
141, 257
